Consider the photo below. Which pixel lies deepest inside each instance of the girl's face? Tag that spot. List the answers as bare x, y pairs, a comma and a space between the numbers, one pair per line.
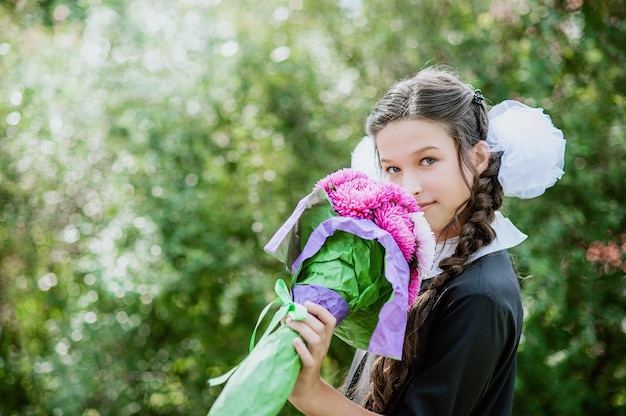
420, 156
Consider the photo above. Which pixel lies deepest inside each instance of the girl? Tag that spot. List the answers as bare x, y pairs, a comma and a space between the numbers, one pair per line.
432, 137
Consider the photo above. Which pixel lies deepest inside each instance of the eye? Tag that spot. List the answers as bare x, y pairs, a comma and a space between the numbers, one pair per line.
427, 161
390, 170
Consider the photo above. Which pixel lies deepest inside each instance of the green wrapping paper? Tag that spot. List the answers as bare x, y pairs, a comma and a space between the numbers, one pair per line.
264, 380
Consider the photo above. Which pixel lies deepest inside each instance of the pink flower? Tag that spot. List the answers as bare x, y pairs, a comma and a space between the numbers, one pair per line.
414, 285
339, 178
357, 198
397, 222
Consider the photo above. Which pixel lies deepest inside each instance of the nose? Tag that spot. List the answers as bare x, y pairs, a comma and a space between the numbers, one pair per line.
411, 183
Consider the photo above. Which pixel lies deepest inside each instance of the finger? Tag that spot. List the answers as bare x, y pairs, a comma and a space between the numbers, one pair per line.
306, 358
313, 320
308, 333
321, 313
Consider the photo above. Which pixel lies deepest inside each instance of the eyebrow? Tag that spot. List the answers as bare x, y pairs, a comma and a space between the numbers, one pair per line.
416, 152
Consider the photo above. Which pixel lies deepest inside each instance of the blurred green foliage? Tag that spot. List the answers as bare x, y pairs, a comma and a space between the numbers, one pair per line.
149, 150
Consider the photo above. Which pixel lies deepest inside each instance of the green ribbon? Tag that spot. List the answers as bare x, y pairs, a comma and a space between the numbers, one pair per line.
288, 307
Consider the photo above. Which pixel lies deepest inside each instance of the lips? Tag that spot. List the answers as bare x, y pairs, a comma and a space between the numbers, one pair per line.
424, 206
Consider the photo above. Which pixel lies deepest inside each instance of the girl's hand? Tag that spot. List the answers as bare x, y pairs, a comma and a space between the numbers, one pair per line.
316, 332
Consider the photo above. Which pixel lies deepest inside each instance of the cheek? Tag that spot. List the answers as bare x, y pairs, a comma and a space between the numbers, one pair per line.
395, 179
456, 180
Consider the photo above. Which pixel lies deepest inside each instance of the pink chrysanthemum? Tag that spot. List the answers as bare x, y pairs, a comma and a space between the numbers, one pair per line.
338, 178
354, 194
414, 285
394, 194
358, 198
397, 222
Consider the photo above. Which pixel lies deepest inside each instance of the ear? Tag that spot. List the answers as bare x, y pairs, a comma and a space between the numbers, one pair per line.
481, 156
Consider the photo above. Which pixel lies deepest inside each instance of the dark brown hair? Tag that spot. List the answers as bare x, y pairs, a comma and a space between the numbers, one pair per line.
437, 94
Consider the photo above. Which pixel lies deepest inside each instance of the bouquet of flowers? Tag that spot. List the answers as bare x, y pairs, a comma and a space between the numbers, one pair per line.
358, 247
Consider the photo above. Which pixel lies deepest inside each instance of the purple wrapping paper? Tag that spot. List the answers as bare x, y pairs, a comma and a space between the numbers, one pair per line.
322, 296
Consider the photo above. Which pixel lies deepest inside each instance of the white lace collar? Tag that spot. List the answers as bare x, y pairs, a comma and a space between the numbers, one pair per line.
507, 236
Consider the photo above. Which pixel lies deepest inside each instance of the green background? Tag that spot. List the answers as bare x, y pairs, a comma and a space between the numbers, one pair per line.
149, 150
